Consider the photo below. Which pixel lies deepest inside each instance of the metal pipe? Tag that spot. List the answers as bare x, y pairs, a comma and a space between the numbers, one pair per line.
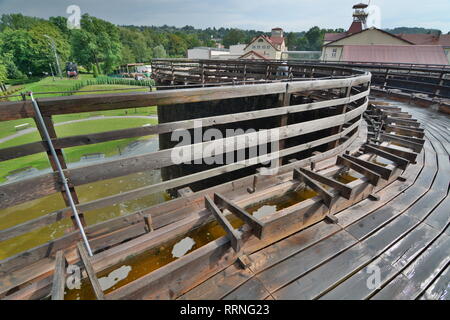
61, 173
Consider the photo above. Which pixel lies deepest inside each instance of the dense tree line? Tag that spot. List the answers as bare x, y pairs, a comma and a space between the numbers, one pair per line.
25, 48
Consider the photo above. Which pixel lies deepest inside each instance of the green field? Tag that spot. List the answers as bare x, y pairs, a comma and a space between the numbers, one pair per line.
74, 154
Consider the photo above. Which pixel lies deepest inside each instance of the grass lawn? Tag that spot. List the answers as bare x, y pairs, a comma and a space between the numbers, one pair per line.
48, 85
74, 154
7, 127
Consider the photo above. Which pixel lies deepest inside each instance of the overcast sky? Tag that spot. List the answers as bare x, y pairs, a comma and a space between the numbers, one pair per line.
292, 15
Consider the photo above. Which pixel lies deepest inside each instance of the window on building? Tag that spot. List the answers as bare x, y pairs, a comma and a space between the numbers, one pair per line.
334, 53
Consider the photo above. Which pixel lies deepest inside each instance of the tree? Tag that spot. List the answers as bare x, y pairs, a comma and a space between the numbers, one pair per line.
44, 35
234, 36
17, 21
159, 52
97, 42
127, 55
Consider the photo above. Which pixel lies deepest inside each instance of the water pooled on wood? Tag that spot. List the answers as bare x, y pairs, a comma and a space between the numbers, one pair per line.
153, 259
272, 205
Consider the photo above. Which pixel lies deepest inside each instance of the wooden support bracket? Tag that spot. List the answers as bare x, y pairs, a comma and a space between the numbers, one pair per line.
402, 163
416, 147
384, 172
244, 261
373, 177
410, 156
233, 235
331, 219
90, 271
412, 139
255, 224
326, 196
343, 189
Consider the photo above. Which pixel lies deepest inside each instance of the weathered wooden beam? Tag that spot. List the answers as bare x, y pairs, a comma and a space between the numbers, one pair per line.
406, 132
325, 195
372, 176
232, 234
407, 138
90, 272
59, 276
402, 121
256, 225
384, 172
402, 163
410, 156
416, 147
344, 190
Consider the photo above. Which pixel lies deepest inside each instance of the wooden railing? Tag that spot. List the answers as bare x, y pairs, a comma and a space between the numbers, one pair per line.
346, 96
430, 80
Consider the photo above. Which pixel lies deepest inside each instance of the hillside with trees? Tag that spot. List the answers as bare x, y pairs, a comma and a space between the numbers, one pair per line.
25, 50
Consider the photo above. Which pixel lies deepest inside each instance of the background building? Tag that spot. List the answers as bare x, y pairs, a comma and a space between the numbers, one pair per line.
264, 47
362, 44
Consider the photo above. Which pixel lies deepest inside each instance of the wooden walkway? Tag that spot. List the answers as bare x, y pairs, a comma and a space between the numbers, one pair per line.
404, 238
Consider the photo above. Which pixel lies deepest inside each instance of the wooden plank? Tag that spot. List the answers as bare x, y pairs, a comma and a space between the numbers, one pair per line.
438, 290
410, 156
232, 234
255, 224
219, 285
286, 271
372, 176
318, 281
412, 139
253, 289
326, 196
391, 262
90, 271
344, 190
384, 172
59, 276
416, 147
401, 162
406, 132
420, 274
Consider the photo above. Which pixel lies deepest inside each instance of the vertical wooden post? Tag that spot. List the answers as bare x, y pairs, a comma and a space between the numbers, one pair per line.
343, 109
437, 92
386, 77
51, 131
284, 100
202, 73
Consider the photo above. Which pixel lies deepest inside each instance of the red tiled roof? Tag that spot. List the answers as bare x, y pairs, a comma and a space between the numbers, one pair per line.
427, 39
355, 27
255, 53
277, 40
395, 54
273, 41
334, 36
